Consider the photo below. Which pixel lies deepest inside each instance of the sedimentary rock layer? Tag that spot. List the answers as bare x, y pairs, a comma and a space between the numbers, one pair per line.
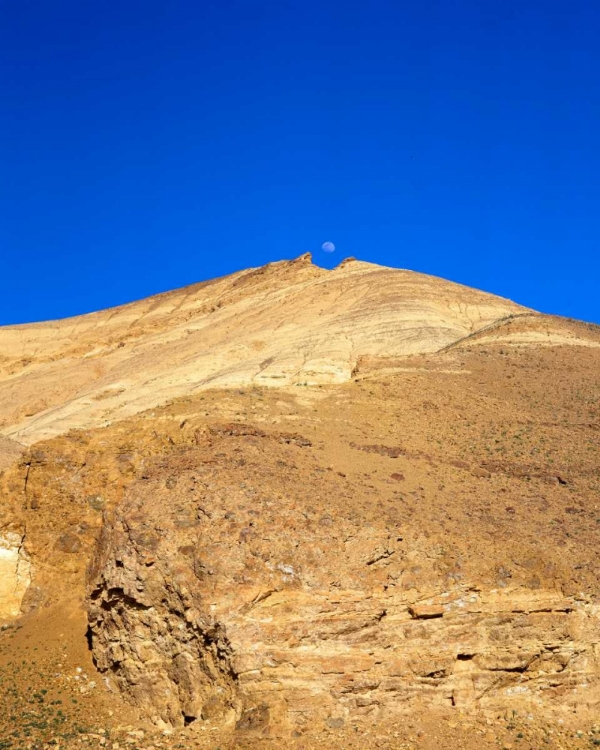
288, 323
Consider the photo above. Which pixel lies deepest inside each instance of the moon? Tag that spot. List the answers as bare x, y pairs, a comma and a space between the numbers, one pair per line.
328, 247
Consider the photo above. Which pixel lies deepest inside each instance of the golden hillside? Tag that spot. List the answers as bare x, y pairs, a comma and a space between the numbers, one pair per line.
356, 508
288, 323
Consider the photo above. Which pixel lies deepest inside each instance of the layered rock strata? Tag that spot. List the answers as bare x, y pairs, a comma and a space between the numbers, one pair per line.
213, 600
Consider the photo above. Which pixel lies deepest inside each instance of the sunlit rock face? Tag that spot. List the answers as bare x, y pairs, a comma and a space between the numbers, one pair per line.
285, 324
224, 591
15, 573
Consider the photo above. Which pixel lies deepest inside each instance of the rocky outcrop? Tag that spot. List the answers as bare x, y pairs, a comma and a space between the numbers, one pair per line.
197, 618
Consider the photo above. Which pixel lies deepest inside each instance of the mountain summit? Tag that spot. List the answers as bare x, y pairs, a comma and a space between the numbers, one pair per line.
284, 324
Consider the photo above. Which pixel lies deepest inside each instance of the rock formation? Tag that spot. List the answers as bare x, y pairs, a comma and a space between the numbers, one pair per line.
294, 498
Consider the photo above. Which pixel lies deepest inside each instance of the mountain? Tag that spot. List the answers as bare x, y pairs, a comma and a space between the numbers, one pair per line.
291, 505
288, 323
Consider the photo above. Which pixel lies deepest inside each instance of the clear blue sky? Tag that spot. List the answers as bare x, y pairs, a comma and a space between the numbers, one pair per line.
148, 145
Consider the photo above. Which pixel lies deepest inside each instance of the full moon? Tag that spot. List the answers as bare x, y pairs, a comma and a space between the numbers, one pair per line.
328, 247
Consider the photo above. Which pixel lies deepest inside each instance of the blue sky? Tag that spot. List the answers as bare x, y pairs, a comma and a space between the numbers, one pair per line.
149, 145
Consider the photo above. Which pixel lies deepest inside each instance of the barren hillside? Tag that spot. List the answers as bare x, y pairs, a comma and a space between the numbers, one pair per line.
288, 323
349, 508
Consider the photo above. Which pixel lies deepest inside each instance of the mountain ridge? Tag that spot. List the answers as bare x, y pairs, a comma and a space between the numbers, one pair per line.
89, 369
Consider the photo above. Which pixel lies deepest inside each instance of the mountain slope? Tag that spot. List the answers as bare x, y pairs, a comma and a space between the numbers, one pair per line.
285, 324
409, 539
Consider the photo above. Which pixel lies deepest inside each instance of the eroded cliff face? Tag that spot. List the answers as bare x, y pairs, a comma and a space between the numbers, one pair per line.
359, 570
197, 630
